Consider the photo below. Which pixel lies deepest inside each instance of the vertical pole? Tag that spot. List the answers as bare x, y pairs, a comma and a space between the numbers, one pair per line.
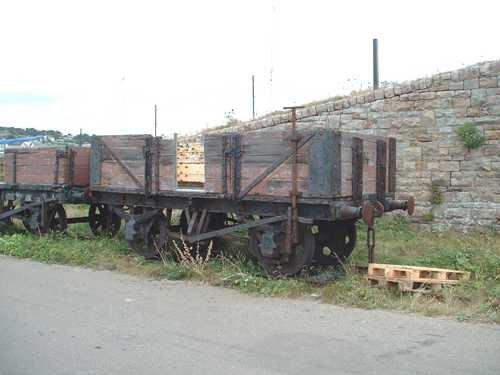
253, 97
293, 237
80, 140
175, 161
375, 63
155, 119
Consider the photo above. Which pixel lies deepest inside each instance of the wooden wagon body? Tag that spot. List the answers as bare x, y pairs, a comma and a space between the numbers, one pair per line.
47, 166
330, 165
38, 181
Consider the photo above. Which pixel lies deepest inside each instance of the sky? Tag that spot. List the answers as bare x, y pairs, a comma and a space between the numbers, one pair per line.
101, 66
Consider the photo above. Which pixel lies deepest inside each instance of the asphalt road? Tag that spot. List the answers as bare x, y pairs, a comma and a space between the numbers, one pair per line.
65, 320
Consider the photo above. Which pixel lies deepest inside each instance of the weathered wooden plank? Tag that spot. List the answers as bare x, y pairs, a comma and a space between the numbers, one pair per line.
283, 172
214, 147
392, 166
337, 164
236, 164
123, 166
369, 166
167, 165
320, 166
95, 162
148, 166
357, 170
46, 166
381, 170
276, 187
278, 162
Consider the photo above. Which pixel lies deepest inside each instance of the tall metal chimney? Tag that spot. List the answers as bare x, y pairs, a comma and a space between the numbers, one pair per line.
375, 63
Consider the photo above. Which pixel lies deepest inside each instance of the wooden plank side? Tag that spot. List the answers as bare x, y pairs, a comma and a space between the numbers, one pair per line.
7, 167
95, 162
275, 187
284, 172
278, 182
391, 165
321, 165
81, 166
346, 165
44, 166
167, 165
123, 161
214, 148
357, 170
1, 169
278, 168
369, 166
381, 176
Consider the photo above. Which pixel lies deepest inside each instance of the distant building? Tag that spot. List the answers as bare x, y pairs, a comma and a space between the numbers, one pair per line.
25, 142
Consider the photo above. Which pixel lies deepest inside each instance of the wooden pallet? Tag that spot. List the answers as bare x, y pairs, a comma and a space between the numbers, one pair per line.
416, 274
408, 285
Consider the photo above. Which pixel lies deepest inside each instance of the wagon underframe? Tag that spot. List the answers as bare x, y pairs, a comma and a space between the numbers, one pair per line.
40, 207
268, 220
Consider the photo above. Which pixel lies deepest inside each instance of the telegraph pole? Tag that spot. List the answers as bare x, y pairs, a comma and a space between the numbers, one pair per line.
155, 119
253, 97
375, 63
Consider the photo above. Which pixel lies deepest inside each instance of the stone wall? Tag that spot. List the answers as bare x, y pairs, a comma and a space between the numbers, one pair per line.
424, 115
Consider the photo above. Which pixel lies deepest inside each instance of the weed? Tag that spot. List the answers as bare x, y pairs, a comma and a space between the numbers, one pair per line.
471, 135
428, 217
190, 258
437, 197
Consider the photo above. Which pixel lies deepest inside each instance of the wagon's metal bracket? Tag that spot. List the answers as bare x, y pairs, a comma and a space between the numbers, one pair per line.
224, 231
15, 211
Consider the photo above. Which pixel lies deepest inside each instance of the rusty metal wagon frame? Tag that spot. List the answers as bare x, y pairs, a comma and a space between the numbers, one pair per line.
282, 229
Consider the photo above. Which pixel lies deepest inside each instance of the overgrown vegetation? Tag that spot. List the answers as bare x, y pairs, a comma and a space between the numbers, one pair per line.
477, 299
436, 195
471, 135
428, 217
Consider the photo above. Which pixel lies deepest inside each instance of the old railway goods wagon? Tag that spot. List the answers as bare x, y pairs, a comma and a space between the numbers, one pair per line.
299, 195
38, 181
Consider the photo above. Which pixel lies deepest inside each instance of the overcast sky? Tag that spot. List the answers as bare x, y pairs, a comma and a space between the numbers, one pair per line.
102, 65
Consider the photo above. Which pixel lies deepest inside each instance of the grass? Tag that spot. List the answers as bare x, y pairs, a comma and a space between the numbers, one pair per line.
475, 300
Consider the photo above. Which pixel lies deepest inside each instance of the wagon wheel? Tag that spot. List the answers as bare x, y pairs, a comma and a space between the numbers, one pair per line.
103, 220
56, 220
215, 221
334, 242
267, 245
5, 208
151, 236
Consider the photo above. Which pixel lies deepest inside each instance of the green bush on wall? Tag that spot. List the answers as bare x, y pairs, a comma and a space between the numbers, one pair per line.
471, 135
436, 195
